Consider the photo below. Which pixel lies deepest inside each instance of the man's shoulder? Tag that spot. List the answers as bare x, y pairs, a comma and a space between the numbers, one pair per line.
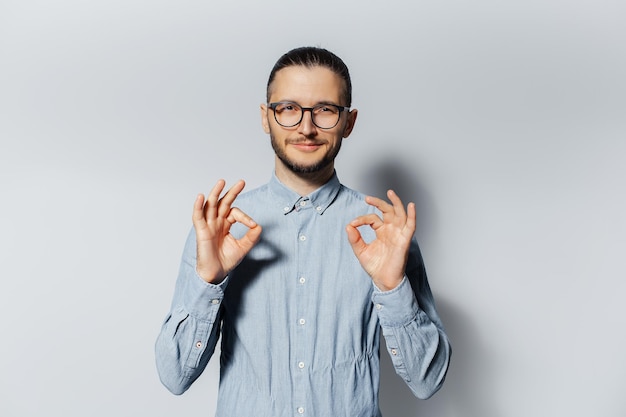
254, 192
351, 193
253, 195
351, 196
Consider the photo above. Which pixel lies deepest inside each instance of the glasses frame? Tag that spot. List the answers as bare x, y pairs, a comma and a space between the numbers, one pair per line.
310, 109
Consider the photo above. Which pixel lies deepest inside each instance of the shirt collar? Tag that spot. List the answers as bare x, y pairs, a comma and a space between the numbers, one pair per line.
321, 198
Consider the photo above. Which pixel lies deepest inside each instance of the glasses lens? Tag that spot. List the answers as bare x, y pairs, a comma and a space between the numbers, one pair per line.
288, 114
325, 116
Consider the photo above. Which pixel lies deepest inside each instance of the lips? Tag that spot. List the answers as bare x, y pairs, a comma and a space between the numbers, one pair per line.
305, 145
304, 142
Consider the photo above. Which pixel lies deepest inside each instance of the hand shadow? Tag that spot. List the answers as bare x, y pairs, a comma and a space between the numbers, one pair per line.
465, 392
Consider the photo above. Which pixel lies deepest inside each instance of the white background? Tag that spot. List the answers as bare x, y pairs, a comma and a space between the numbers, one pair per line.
504, 121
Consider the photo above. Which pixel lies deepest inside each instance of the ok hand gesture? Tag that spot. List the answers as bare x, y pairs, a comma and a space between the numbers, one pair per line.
218, 252
384, 259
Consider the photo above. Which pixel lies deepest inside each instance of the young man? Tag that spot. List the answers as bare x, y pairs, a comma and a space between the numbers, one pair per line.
300, 275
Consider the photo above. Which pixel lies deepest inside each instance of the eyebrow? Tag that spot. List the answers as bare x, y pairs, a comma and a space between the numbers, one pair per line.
316, 104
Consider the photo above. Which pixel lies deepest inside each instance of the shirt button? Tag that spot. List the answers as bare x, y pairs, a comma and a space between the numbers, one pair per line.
198, 345
302, 203
285, 209
301, 365
394, 352
302, 238
302, 321
216, 301
300, 410
302, 280
378, 306
318, 208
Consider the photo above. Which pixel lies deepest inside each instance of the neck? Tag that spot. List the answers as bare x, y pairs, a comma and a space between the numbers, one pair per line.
303, 184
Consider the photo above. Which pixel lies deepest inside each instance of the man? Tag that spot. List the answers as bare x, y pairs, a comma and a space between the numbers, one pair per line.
300, 275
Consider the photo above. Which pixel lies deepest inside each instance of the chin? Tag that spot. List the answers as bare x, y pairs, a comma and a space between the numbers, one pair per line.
306, 168
308, 165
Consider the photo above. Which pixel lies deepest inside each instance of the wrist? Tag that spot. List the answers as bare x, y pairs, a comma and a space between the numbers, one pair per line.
209, 276
388, 284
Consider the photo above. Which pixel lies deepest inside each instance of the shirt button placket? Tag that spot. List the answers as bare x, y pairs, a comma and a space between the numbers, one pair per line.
300, 313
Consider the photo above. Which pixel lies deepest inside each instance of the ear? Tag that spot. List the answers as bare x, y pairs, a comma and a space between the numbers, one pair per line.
264, 121
350, 123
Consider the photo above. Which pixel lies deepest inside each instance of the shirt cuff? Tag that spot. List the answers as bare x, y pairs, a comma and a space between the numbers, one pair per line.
202, 298
396, 307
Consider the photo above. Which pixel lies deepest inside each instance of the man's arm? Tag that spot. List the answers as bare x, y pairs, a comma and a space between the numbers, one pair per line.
191, 329
417, 343
416, 340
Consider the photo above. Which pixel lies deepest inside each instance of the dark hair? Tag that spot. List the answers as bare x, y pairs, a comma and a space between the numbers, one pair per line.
310, 56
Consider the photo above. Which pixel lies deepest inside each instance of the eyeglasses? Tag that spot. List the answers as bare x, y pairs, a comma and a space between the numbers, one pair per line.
290, 114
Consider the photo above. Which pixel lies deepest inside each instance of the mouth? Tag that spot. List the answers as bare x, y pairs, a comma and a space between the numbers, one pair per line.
306, 145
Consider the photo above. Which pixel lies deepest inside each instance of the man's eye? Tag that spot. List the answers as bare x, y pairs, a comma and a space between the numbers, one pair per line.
325, 109
286, 108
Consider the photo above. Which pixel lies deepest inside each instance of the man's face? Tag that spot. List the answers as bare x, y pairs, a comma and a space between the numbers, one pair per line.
306, 148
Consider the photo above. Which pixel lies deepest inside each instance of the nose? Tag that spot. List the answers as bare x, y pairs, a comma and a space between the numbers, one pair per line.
306, 126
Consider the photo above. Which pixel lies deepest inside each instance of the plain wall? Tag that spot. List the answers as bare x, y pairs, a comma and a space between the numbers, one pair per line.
504, 121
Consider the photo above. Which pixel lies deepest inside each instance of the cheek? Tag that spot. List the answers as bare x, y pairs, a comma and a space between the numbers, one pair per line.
335, 145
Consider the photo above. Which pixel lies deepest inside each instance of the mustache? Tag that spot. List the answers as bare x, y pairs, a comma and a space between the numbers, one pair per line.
308, 141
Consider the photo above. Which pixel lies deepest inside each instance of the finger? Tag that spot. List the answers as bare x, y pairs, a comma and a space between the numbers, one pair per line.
371, 220
355, 239
398, 207
198, 213
226, 201
210, 208
411, 218
380, 204
251, 238
236, 215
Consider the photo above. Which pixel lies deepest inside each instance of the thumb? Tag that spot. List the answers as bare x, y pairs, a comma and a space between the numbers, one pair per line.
251, 238
355, 239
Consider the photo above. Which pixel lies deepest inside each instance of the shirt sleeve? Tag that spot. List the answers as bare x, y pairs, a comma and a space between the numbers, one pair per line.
191, 329
416, 340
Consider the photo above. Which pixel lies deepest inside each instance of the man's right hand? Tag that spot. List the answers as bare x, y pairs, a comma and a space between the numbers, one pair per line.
218, 252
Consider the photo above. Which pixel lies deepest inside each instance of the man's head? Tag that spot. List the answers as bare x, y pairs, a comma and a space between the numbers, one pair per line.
307, 112
309, 56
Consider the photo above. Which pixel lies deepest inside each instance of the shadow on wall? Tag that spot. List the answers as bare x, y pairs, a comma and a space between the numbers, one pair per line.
465, 392
390, 174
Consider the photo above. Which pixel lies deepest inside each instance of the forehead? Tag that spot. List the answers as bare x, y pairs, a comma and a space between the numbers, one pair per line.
306, 85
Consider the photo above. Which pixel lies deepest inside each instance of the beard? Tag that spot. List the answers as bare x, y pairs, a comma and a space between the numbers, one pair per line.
297, 168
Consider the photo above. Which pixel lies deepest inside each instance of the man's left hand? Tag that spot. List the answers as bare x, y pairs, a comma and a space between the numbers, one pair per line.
384, 259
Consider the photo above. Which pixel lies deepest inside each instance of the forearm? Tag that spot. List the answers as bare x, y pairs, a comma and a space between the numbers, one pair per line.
191, 329
417, 344
183, 349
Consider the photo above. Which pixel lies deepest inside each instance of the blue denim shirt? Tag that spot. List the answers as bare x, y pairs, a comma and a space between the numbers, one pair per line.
299, 318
